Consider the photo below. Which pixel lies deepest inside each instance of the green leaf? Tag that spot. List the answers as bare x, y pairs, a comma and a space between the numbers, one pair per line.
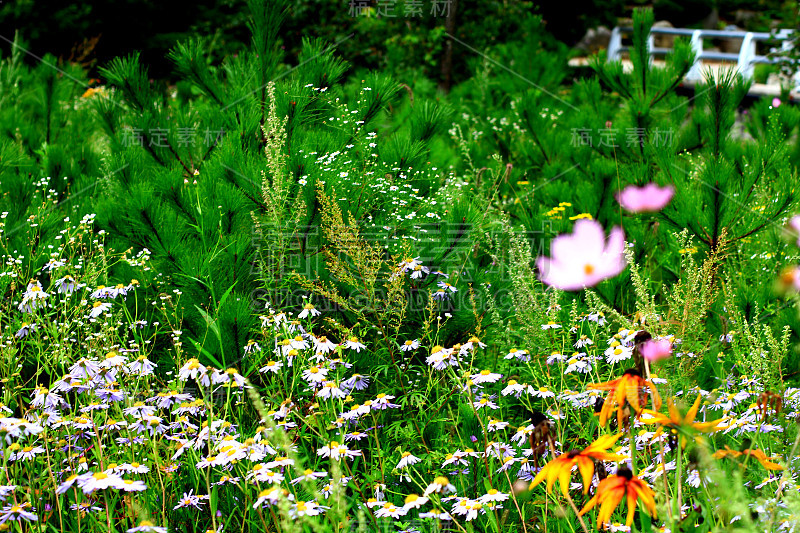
206, 353
214, 499
210, 322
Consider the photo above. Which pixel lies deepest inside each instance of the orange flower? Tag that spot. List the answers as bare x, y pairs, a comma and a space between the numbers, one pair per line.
560, 468
758, 454
683, 425
612, 489
630, 389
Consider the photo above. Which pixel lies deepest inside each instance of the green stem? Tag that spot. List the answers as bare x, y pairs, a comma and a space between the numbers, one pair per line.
633, 446
678, 476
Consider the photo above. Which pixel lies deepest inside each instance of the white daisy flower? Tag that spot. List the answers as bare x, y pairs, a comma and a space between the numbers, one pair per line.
493, 495
496, 425
98, 308
33, 298
302, 508
100, 481
485, 376
617, 352
308, 309
521, 355
406, 459
271, 366
582, 342
309, 475
513, 387
409, 345
542, 392
323, 345
330, 389
356, 382
354, 344
65, 285
485, 402
390, 510
440, 485
146, 526
414, 501
315, 374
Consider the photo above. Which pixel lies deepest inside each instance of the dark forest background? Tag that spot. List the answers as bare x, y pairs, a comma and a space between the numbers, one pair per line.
406, 36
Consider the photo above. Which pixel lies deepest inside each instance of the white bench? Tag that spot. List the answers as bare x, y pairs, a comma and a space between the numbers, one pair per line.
745, 60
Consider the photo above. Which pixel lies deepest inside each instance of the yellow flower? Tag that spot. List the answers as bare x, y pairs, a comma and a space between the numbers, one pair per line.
630, 389
560, 468
613, 489
683, 425
758, 454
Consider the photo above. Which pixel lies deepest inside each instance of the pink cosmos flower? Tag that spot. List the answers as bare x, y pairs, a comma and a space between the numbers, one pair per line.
653, 350
790, 279
794, 226
650, 198
776, 102
583, 258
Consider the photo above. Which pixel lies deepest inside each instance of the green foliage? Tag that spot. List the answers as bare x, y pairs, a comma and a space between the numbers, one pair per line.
235, 223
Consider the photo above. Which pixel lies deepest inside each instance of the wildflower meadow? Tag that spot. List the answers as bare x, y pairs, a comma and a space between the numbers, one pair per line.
313, 280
